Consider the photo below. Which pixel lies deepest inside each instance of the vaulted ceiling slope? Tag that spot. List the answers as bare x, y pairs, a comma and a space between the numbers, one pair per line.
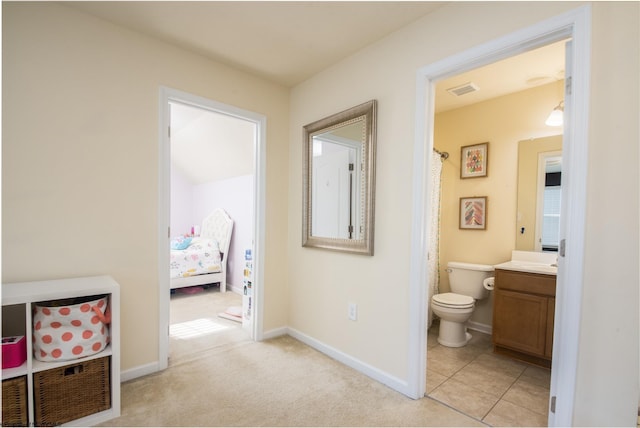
285, 42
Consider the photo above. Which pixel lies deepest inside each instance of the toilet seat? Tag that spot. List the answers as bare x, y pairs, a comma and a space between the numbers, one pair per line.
453, 300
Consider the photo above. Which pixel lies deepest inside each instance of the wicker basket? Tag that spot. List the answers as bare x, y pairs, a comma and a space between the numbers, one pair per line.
14, 402
70, 392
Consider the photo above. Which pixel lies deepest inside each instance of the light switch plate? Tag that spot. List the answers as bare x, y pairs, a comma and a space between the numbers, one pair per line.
353, 311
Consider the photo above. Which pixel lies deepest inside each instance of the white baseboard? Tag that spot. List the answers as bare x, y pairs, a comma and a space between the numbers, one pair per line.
276, 332
237, 290
385, 378
482, 328
139, 371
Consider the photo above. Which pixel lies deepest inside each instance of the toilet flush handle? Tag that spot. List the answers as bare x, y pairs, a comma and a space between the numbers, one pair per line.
488, 283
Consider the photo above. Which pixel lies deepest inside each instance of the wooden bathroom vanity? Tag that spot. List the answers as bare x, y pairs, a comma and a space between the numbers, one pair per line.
523, 314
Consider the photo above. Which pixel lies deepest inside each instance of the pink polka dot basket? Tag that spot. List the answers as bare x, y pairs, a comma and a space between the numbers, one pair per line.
64, 331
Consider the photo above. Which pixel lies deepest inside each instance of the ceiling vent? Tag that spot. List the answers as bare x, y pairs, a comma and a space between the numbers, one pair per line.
467, 88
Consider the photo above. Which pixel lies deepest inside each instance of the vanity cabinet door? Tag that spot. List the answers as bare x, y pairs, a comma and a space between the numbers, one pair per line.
520, 321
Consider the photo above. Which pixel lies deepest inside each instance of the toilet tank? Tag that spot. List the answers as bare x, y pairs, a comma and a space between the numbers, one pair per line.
466, 279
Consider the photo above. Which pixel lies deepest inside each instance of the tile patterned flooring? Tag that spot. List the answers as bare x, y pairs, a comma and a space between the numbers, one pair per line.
493, 389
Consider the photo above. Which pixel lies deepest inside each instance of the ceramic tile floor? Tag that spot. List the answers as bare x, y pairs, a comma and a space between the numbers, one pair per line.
493, 389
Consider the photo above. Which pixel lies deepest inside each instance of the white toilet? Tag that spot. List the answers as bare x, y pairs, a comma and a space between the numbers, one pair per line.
455, 308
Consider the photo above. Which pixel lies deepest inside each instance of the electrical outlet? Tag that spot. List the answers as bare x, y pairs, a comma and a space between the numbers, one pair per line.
353, 311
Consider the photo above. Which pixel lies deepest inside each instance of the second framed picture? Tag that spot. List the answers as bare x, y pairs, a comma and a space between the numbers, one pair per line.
474, 160
473, 213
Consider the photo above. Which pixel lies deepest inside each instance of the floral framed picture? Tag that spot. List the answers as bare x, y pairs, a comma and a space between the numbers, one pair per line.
473, 213
474, 160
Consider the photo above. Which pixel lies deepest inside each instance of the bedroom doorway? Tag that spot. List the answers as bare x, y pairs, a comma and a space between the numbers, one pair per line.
211, 174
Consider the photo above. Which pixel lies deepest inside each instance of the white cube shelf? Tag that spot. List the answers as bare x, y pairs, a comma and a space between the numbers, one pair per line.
25, 294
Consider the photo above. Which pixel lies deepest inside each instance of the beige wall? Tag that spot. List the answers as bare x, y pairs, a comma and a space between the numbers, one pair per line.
80, 157
502, 122
322, 283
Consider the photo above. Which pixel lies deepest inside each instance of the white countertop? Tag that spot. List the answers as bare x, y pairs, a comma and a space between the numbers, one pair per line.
528, 267
532, 262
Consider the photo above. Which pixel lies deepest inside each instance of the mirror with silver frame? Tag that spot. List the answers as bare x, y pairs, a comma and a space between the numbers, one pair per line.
339, 181
539, 194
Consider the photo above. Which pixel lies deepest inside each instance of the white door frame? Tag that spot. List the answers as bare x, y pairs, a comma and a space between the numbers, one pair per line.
164, 204
577, 25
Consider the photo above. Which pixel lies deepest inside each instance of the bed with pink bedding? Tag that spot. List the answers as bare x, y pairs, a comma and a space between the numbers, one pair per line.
203, 259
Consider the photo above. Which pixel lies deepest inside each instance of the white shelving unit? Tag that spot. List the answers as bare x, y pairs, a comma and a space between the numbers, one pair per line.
25, 294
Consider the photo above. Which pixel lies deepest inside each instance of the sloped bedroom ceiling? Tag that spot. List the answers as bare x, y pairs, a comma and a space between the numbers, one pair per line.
208, 146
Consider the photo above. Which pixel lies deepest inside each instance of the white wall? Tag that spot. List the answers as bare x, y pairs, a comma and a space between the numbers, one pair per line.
235, 196
608, 358
182, 217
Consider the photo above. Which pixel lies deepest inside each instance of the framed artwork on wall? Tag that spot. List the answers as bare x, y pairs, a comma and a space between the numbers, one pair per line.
474, 160
473, 213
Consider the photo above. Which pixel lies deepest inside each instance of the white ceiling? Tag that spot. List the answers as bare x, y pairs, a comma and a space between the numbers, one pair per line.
289, 42
285, 42
208, 146
528, 70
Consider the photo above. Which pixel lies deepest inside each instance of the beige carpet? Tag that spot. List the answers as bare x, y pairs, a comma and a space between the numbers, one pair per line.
193, 314
231, 381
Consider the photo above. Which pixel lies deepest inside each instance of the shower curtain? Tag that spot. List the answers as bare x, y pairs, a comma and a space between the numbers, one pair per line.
433, 270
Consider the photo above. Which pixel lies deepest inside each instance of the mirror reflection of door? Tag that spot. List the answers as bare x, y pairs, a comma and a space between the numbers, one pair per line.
548, 216
334, 190
538, 209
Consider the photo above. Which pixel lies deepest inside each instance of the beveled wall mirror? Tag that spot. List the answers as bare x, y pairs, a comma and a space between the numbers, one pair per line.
339, 181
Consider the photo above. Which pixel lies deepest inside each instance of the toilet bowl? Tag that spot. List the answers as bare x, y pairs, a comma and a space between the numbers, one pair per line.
453, 317
455, 308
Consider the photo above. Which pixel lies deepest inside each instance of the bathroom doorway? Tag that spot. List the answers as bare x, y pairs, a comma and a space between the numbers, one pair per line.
574, 26
472, 379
